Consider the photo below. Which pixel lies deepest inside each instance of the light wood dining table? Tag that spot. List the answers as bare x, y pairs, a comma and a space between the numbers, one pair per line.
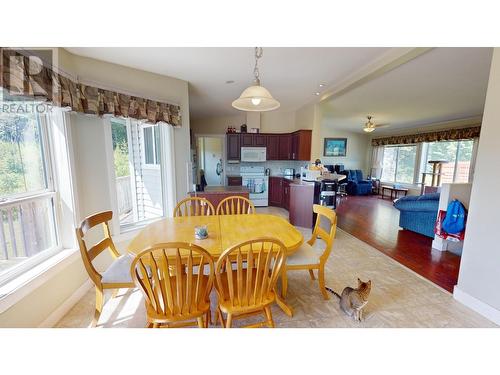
224, 231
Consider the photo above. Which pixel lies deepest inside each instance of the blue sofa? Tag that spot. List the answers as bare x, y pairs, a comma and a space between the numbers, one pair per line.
356, 185
418, 213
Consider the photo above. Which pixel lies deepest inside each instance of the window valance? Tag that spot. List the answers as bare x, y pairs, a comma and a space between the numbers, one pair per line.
20, 77
442, 135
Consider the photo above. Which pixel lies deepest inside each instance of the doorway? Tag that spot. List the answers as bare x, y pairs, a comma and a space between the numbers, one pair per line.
210, 159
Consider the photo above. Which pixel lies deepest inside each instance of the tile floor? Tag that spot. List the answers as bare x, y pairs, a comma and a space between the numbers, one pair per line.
399, 297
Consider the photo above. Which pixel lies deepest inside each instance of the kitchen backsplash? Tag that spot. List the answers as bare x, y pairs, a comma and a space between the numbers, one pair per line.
277, 167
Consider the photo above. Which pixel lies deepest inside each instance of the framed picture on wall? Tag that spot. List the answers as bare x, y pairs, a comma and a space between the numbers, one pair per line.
335, 147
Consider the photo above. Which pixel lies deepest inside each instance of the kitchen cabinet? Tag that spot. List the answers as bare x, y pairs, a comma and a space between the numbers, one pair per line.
233, 146
253, 140
259, 140
246, 140
301, 198
301, 145
272, 144
289, 146
285, 146
234, 180
286, 194
275, 191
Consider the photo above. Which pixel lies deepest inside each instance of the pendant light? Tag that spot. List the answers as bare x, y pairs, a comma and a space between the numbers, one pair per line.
256, 98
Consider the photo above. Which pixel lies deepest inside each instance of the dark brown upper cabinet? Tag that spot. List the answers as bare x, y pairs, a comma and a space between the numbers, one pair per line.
233, 146
253, 140
301, 145
272, 145
246, 140
285, 147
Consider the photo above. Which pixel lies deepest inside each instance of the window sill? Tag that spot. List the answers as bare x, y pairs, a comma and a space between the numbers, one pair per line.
24, 284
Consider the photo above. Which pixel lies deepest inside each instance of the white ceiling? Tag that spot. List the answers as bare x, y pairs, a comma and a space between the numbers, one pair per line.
441, 85
291, 74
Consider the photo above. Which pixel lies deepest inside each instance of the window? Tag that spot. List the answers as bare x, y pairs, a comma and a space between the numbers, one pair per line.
138, 186
28, 231
151, 136
399, 164
457, 153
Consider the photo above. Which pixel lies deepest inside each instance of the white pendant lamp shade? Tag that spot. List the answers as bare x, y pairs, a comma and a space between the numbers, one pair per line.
256, 99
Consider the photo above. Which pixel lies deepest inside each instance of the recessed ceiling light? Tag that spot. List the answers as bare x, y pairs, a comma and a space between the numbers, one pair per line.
321, 85
316, 93
230, 81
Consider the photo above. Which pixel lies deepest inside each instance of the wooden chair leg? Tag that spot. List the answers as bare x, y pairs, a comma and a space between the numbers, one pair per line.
208, 318
269, 316
201, 324
99, 302
321, 277
311, 273
229, 320
284, 283
221, 317
114, 293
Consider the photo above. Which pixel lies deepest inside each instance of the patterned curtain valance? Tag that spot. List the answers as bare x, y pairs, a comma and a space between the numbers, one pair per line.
20, 77
442, 135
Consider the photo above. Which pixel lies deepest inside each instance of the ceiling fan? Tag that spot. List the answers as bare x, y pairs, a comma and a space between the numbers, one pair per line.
370, 125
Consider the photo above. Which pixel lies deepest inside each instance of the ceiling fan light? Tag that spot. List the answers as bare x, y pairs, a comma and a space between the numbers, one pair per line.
368, 129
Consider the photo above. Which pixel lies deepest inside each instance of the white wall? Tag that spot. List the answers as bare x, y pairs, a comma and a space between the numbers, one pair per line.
358, 146
270, 122
480, 265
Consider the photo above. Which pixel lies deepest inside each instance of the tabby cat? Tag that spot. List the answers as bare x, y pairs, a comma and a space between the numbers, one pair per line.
352, 300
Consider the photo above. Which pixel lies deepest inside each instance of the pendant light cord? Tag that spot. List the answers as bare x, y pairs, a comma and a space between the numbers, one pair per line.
256, 73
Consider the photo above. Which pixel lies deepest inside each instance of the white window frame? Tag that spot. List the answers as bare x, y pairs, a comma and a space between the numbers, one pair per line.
472, 159
166, 166
50, 192
154, 129
418, 152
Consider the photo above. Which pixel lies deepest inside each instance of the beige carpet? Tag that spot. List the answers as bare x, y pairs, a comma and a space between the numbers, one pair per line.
399, 297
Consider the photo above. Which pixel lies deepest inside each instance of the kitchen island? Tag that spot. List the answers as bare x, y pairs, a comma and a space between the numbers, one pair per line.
215, 194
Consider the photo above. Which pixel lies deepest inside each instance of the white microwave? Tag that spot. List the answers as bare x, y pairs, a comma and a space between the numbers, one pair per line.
253, 154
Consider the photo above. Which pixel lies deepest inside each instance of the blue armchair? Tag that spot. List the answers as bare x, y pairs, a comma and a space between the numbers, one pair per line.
355, 183
418, 213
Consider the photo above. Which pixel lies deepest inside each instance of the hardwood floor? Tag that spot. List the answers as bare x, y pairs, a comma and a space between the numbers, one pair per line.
375, 221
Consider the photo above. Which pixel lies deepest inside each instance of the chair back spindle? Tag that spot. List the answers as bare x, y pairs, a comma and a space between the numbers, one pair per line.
194, 206
246, 274
174, 281
235, 205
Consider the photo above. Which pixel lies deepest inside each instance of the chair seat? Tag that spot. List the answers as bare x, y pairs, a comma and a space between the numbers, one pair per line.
305, 255
119, 271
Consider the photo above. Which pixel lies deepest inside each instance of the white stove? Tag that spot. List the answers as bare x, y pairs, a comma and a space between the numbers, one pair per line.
255, 180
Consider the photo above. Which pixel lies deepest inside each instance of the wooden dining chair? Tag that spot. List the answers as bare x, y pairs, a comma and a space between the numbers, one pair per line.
117, 275
235, 205
308, 257
176, 292
194, 206
246, 275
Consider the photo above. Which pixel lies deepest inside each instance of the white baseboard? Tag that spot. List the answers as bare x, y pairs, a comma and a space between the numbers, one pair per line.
64, 308
478, 306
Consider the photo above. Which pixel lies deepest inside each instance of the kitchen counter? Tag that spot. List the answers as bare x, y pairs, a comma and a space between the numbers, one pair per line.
223, 190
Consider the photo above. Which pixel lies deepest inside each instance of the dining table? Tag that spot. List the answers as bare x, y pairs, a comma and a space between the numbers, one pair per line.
224, 231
